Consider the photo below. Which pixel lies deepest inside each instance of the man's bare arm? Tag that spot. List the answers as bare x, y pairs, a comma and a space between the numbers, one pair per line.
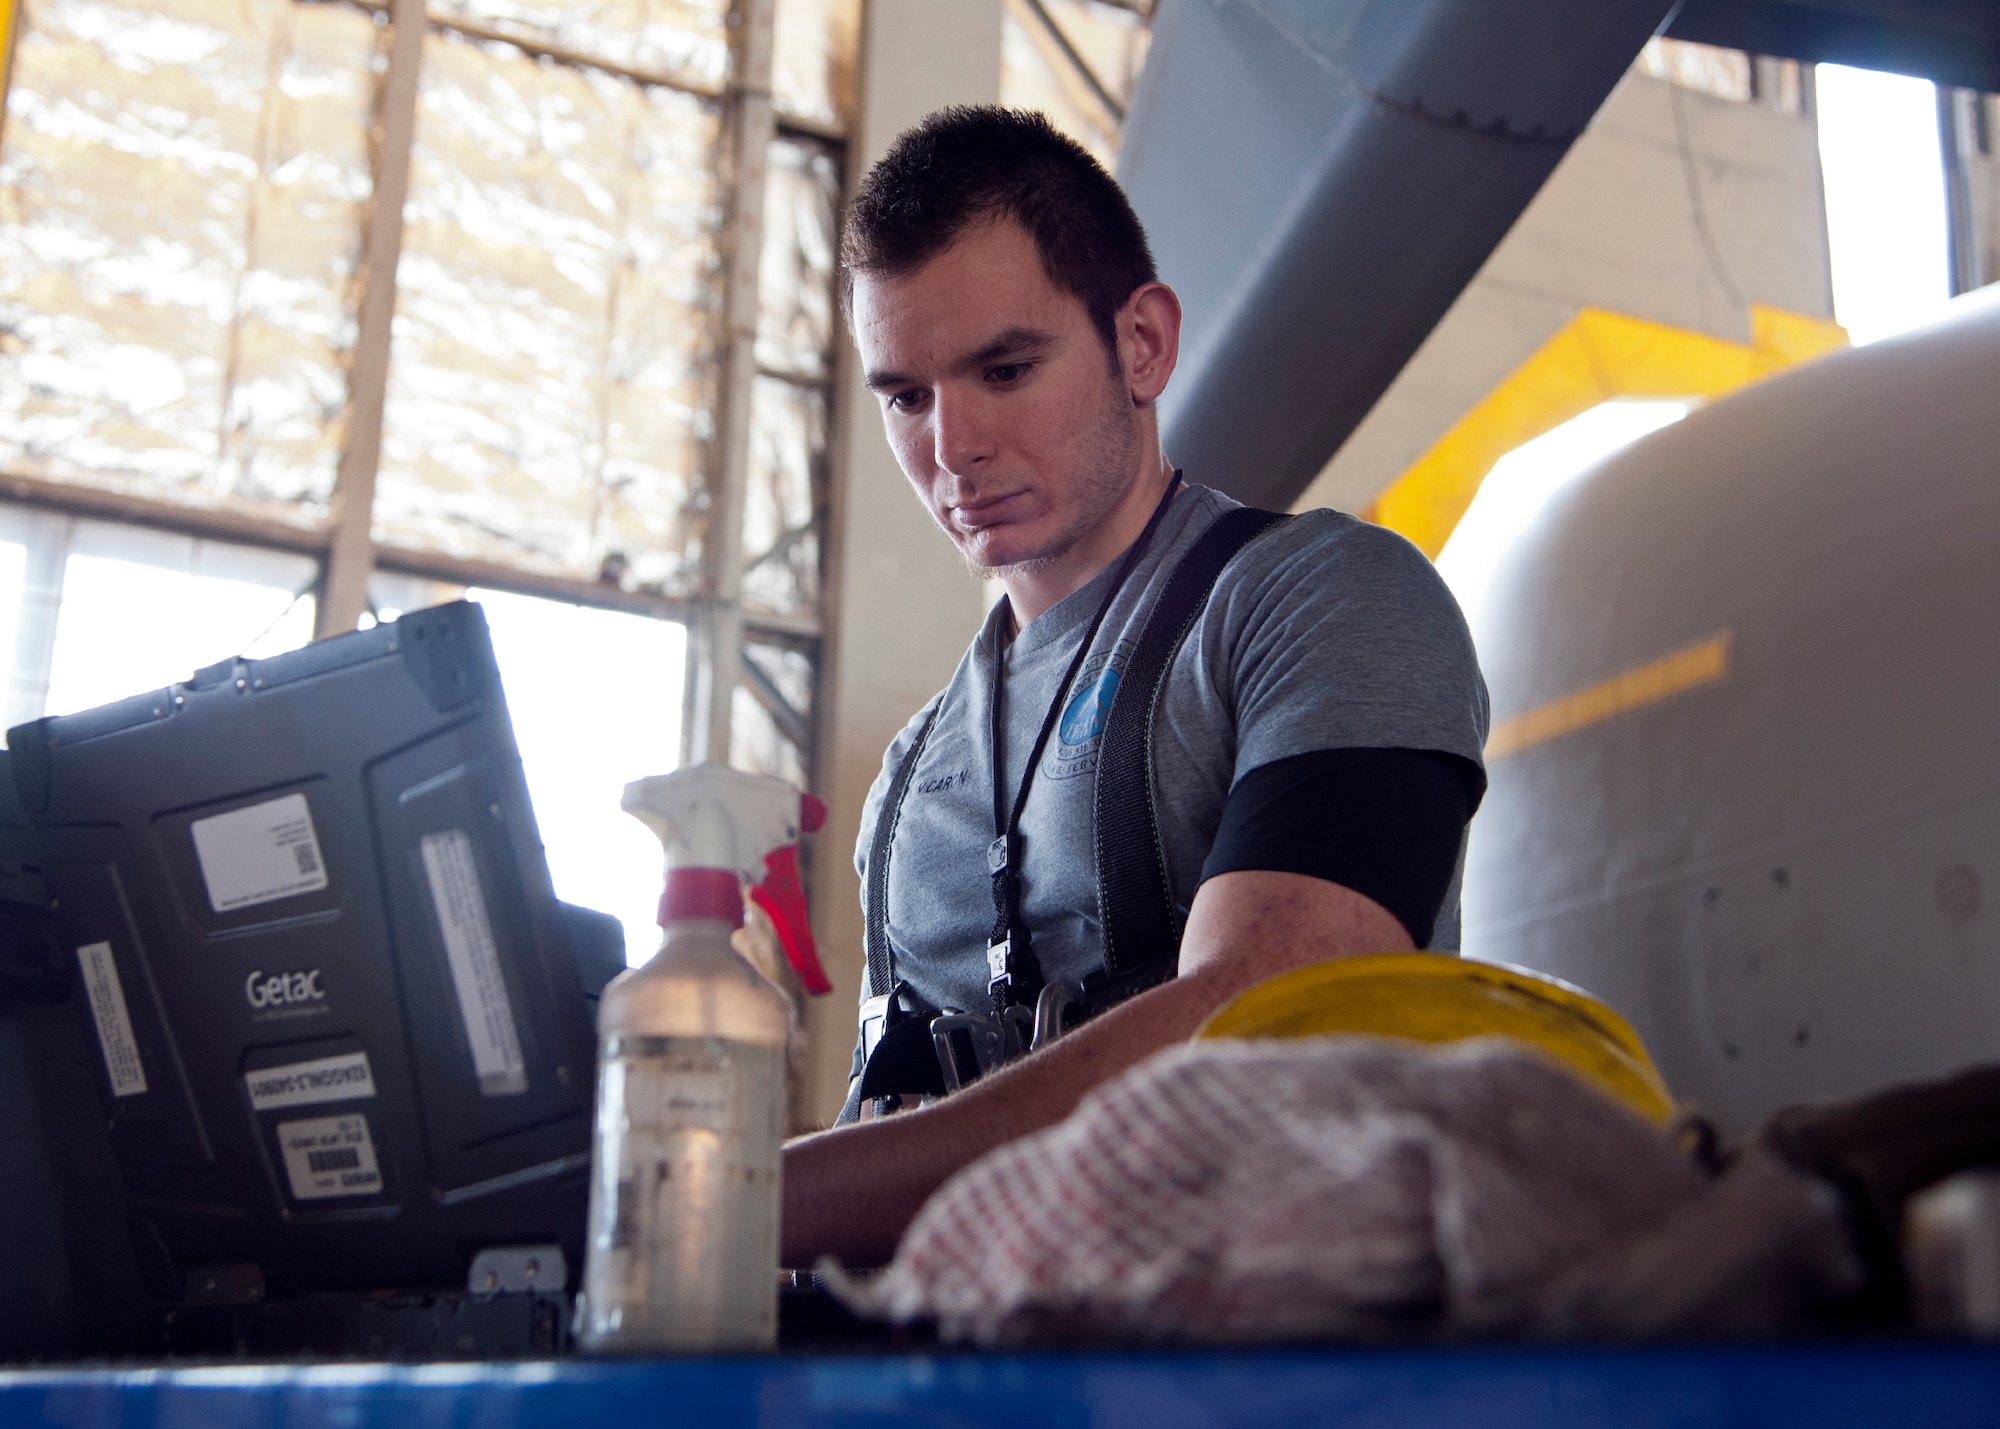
851, 1191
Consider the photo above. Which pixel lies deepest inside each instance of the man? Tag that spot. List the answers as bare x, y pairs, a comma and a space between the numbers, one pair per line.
1314, 754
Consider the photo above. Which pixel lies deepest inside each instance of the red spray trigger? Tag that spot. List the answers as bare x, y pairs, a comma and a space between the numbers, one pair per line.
783, 899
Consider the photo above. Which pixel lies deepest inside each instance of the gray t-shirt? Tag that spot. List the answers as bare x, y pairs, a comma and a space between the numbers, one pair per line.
1324, 632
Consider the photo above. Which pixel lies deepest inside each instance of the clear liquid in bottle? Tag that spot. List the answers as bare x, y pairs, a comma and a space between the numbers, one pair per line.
682, 1247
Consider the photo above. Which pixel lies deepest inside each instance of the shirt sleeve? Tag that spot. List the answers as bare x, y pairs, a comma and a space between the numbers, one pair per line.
1387, 823
1332, 633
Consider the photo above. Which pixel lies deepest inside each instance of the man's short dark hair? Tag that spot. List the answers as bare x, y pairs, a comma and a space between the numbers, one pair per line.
971, 164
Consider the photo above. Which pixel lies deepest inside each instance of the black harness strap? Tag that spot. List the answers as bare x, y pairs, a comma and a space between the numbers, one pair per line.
882, 957
1017, 980
1142, 927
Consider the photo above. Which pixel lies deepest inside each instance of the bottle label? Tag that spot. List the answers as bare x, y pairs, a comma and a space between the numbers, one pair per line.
684, 1195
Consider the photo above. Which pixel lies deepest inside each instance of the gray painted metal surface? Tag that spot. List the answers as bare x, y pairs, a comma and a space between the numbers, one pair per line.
1787, 878
1321, 178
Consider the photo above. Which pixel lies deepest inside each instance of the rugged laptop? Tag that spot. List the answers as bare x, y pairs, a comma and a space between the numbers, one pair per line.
340, 1027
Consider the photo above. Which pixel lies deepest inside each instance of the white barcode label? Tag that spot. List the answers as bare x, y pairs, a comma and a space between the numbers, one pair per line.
114, 1024
329, 1156
324, 1079
254, 855
475, 964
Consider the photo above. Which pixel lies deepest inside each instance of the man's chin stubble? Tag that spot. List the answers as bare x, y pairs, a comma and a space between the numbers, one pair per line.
1062, 547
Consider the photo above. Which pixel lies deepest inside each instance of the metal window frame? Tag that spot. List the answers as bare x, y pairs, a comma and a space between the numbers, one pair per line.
344, 546
716, 647
1068, 57
1960, 114
350, 556
1081, 66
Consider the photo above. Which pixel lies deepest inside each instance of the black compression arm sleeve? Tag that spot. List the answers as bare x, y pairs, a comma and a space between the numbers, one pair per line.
1386, 823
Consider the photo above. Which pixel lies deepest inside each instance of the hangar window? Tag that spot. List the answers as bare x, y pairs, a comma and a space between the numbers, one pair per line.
94, 611
1783, 85
557, 320
181, 196
608, 713
569, 393
1727, 74
1077, 61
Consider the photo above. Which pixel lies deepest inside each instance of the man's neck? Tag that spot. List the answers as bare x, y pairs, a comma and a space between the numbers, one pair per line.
1034, 589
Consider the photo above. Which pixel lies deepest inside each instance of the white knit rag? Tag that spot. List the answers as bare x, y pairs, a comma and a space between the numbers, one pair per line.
1330, 1187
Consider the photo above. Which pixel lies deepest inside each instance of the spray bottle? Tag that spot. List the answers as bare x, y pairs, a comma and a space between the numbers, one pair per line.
682, 1250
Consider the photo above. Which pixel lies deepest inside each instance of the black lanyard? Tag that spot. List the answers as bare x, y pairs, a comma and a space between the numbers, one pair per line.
1010, 960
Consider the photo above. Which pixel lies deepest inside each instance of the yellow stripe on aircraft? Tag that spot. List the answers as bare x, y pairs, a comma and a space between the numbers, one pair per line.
1675, 673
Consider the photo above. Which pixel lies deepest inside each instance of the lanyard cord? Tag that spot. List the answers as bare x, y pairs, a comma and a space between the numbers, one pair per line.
1016, 975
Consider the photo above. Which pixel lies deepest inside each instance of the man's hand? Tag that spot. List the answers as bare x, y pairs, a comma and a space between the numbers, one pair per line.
851, 1191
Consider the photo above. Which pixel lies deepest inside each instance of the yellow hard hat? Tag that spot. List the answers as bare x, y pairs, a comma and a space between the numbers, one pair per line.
1428, 997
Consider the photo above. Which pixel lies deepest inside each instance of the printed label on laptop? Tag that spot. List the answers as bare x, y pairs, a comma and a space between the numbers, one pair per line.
324, 1079
329, 1156
255, 855
475, 964
106, 996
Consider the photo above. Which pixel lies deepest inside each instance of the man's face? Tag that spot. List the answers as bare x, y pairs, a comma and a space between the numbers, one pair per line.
999, 398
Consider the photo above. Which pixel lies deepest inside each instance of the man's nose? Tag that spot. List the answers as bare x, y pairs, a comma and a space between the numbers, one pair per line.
963, 434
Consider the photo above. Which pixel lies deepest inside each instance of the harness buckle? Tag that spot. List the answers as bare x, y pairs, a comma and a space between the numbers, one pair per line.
971, 1044
874, 1021
968, 1046
1051, 1017
874, 1012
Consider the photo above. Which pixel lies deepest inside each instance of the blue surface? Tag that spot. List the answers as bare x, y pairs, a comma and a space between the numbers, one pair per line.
1910, 1386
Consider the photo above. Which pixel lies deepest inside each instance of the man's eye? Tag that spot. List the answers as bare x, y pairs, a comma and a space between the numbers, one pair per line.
908, 400
1007, 373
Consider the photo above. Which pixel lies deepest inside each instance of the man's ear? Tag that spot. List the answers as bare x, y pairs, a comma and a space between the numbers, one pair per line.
1149, 340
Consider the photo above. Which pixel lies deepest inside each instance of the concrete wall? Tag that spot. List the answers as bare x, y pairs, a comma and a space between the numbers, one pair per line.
901, 605
1620, 225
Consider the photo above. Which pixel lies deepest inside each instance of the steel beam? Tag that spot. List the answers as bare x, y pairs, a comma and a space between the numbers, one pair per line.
494, 576
344, 591
206, 522
719, 632
217, 524
795, 724
1077, 62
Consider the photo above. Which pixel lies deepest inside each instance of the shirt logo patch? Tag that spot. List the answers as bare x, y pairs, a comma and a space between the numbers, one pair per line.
1081, 728
1083, 721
